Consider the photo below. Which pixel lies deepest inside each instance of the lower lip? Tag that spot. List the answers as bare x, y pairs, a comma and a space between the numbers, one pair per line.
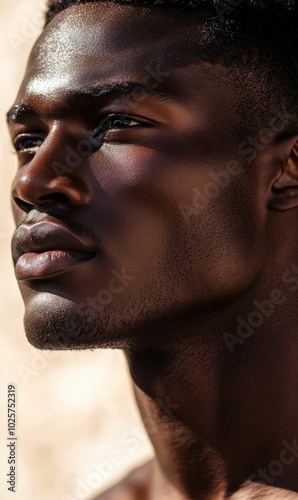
46, 264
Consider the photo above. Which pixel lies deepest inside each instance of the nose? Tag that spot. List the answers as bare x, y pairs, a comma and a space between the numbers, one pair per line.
54, 177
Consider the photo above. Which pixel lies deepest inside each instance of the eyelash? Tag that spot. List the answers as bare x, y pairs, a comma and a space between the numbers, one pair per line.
21, 140
120, 117
18, 142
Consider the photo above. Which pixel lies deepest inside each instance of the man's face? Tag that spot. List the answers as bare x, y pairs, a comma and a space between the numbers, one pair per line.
128, 152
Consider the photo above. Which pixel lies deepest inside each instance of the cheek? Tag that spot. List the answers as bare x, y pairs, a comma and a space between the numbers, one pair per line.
126, 170
219, 238
183, 225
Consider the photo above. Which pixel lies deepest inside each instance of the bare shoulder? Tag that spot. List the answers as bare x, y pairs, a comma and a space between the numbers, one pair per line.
133, 487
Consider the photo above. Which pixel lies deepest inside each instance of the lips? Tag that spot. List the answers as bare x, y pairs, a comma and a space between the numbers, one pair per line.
46, 249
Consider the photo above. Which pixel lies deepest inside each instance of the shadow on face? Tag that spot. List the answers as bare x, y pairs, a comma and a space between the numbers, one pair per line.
126, 136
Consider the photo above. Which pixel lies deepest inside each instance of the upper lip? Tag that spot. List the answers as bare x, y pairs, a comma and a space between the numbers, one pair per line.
47, 235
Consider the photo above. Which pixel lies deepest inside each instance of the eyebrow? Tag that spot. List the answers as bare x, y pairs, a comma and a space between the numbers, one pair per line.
19, 112
136, 90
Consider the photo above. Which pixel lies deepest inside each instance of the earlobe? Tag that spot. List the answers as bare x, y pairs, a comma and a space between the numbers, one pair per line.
285, 188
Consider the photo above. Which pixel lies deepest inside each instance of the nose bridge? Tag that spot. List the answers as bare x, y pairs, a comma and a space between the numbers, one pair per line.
56, 171
60, 151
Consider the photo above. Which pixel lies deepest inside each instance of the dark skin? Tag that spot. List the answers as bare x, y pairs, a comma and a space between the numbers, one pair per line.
214, 416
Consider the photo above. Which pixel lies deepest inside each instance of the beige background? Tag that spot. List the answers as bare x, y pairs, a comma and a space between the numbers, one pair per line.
78, 427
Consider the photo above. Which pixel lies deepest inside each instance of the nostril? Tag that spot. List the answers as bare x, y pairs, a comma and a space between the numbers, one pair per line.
56, 197
23, 205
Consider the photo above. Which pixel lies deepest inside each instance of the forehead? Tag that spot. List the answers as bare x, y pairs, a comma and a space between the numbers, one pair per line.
106, 40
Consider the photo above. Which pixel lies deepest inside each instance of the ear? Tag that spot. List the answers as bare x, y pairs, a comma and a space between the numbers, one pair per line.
285, 187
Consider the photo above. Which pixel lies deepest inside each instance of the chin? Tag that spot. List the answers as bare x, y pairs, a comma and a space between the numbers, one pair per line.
57, 323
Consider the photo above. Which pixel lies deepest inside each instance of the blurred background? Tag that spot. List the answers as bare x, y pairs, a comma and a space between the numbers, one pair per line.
78, 427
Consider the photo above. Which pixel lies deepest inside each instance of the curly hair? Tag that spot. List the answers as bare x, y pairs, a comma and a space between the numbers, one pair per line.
221, 6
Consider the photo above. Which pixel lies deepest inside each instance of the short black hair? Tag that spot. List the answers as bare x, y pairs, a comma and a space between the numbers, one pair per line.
221, 6
255, 39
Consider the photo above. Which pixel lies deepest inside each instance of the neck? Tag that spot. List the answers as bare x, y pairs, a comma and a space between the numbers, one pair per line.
218, 396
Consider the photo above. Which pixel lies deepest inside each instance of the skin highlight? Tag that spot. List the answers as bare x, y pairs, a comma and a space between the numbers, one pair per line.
178, 281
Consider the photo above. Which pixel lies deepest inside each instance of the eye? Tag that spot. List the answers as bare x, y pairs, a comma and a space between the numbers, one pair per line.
120, 121
27, 142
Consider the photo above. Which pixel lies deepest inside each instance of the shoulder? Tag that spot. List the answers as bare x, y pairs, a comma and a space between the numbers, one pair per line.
134, 486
